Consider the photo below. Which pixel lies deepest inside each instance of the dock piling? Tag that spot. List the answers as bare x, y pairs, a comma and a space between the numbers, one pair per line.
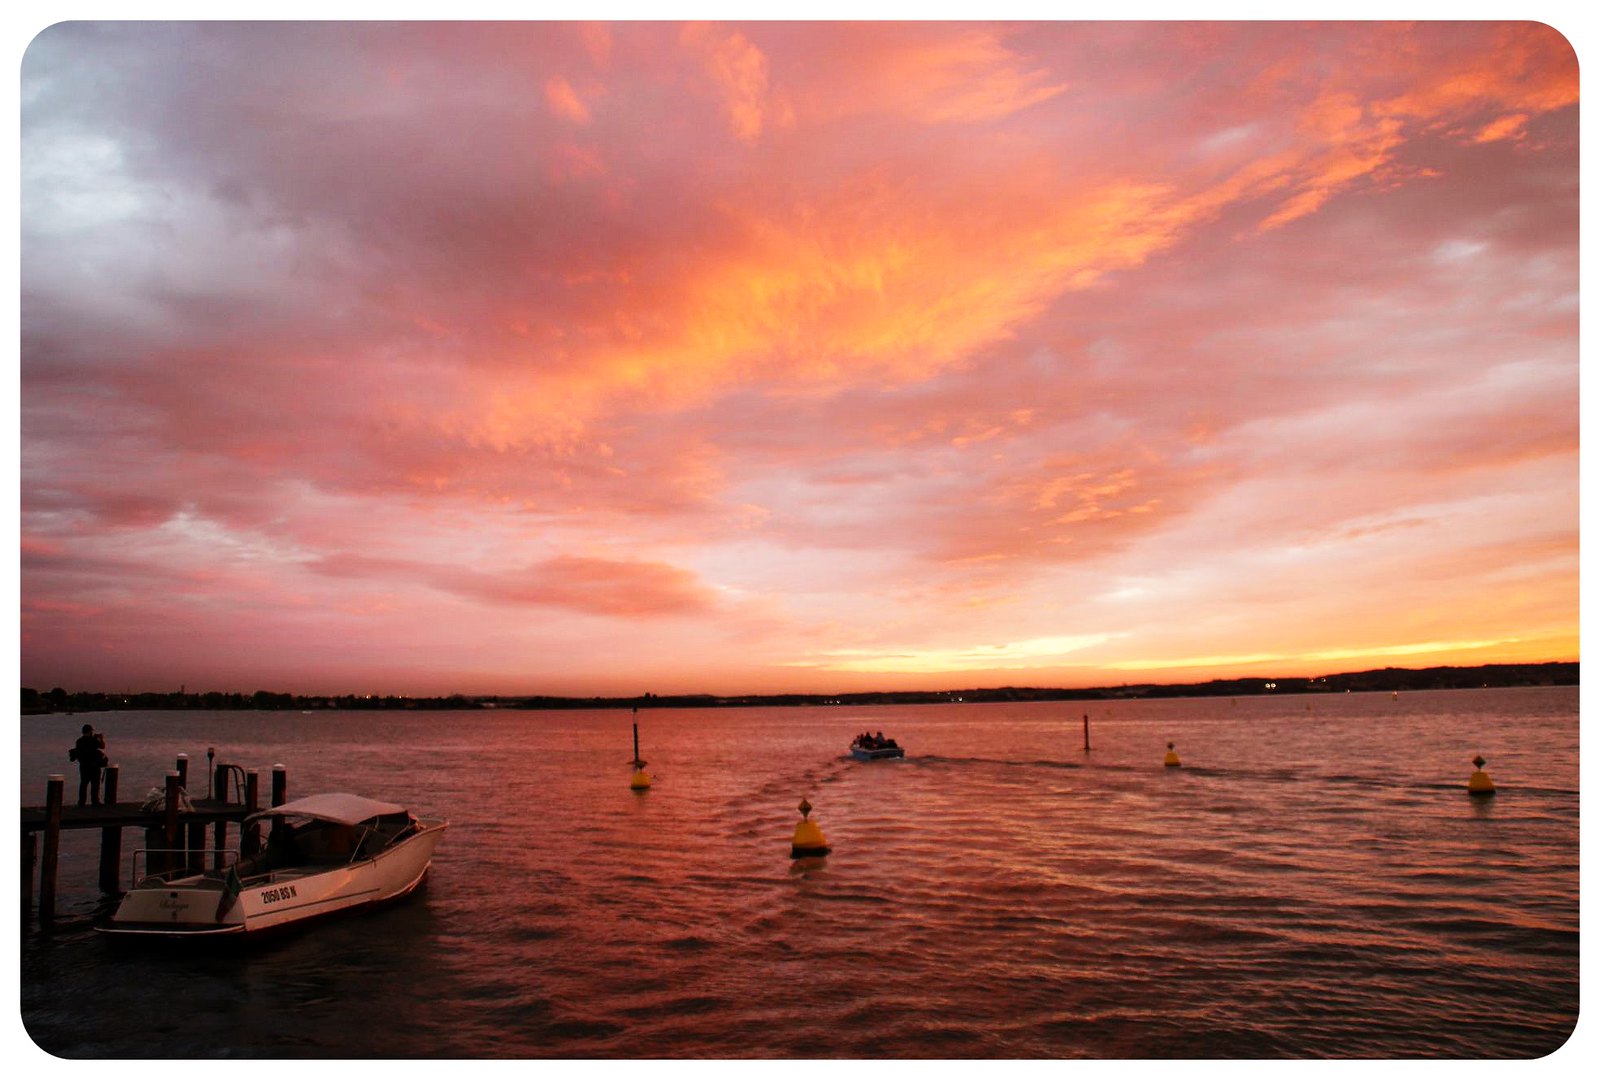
250, 835
30, 855
169, 831
111, 840
52, 845
183, 771
280, 785
194, 858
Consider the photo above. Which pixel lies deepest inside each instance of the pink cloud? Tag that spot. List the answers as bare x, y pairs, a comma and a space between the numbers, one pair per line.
899, 336
738, 70
617, 587
564, 101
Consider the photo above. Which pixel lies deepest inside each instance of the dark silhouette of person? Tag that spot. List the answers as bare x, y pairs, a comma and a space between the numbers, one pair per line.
90, 754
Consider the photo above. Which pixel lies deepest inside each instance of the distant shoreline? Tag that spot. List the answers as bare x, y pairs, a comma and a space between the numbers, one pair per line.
1380, 680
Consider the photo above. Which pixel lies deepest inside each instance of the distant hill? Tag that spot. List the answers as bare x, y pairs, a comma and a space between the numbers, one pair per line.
1563, 673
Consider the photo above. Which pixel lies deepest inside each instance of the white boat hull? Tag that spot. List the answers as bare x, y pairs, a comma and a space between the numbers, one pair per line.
189, 905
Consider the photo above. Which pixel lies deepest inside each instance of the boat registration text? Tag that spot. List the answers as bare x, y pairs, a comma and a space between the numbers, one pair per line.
282, 892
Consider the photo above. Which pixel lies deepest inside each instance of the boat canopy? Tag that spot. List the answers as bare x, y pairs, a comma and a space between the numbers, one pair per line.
337, 807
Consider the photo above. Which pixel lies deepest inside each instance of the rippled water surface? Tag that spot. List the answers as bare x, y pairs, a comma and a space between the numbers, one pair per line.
1313, 881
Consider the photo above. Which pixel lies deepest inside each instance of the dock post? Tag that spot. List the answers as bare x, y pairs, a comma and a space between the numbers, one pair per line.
183, 771
52, 845
169, 832
1086, 731
219, 849
249, 837
30, 855
194, 859
111, 840
280, 785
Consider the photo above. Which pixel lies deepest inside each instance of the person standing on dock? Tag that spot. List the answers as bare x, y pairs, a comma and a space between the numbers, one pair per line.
90, 754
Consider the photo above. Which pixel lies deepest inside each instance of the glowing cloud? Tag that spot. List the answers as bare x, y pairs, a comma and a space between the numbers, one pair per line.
775, 355
1033, 653
564, 101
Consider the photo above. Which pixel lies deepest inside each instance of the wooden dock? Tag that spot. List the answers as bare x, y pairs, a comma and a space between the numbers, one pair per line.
126, 815
175, 833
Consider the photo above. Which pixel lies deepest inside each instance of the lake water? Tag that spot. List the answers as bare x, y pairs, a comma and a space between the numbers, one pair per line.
1313, 882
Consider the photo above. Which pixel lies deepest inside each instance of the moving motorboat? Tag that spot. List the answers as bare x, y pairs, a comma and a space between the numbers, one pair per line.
324, 853
875, 748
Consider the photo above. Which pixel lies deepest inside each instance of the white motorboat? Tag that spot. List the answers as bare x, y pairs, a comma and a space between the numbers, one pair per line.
325, 853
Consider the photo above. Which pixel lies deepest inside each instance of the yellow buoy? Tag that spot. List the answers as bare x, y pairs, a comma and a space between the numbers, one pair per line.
1171, 760
640, 781
808, 839
1479, 783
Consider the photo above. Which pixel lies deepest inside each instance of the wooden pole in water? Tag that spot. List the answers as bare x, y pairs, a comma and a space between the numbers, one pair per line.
280, 785
194, 859
185, 858
169, 830
111, 839
1086, 731
30, 855
249, 837
54, 787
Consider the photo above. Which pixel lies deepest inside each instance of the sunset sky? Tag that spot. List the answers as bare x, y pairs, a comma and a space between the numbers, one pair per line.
612, 358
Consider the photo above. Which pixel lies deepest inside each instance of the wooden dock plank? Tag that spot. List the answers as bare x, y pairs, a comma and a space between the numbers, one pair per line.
129, 815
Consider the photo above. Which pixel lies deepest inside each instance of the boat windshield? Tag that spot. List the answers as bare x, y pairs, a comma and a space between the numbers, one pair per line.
296, 840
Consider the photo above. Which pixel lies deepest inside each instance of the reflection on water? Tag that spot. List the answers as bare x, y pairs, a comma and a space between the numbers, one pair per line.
1312, 882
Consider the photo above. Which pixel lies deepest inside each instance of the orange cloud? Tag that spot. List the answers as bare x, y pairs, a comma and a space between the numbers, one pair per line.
882, 276
966, 78
1513, 126
739, 71
564, 101
595, 586
907, 338
1528, 68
